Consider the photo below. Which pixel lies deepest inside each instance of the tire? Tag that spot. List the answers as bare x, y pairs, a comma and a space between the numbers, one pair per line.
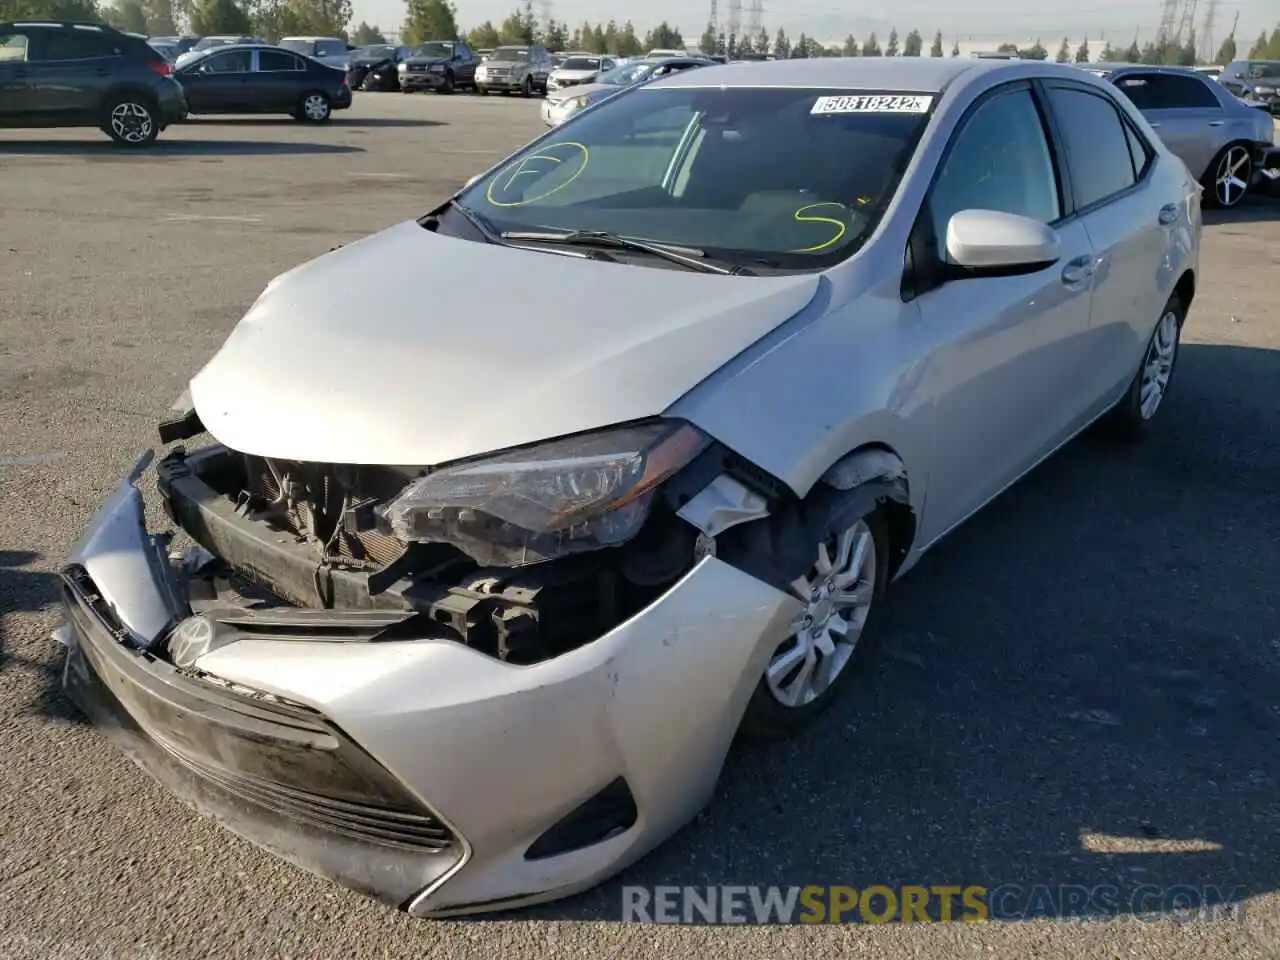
447, 87
1131, 418
769, 715
483, 91
314, 107
130, 120
526, 88
1229, 176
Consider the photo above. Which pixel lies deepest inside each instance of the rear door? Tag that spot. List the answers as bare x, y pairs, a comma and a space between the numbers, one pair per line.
1111, 169
1184, 110
1007, 352
277, 84
70, 71
464, 64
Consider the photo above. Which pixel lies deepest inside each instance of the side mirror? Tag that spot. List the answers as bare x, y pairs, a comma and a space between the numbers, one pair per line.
990, 241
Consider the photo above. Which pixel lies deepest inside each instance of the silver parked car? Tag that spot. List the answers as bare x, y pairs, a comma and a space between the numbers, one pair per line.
1224, 142
474, 619
560, 105
577, 70
523, 70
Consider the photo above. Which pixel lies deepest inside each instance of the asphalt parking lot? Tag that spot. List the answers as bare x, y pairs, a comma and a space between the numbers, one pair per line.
1080, 687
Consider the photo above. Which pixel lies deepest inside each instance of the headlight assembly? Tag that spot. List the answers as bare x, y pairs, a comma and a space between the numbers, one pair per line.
546, 501
579, 103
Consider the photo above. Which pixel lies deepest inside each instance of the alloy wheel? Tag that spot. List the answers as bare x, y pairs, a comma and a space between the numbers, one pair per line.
131, 122
1231, 179
1158, 365
316, 107
837, 593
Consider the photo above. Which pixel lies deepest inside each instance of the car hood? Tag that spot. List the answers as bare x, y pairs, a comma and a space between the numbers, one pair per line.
562, 74
411, 348
425, 61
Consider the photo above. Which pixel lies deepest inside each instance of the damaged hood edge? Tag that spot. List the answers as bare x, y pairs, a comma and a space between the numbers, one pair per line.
408, 347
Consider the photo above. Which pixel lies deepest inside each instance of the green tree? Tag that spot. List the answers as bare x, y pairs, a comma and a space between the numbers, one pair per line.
1259, 49
219, 17
1034, 52
364, 34
1133, 54
1082, 51
50, 9
801, 50
1064, 52
629, 43
955, 49
891, 48
707, 42
162, 18
781, 45
871, 48
127, 15
323, 18
664, 37
484, 37
1187, 53
518, 28
555, 35
1151, 53
1009, 48
913, 46
429, 20
762, 41
936, 49
610, 37
745, 46
850, 48
1273, 45
1226, 52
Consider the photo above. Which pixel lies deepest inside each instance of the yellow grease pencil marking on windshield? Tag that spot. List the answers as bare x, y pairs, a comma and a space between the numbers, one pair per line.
522, 168
835, 223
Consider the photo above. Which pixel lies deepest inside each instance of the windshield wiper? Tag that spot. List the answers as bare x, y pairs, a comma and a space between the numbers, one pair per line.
689, 257
480, 223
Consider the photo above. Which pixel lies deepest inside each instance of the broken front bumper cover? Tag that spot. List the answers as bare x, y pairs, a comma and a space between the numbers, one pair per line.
421, 771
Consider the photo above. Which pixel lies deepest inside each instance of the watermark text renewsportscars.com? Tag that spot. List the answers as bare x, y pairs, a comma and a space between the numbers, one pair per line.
934, 903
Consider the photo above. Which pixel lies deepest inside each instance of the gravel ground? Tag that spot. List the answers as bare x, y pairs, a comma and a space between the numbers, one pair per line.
1080, 687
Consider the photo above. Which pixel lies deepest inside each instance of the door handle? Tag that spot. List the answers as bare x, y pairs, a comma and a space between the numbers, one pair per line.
1077, 271
1216, 123
1168, 214
1155, 126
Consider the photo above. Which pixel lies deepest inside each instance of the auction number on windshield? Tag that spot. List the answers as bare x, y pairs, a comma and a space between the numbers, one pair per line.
562, 162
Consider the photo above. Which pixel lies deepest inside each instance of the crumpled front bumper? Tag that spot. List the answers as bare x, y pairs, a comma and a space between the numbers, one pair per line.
474, 761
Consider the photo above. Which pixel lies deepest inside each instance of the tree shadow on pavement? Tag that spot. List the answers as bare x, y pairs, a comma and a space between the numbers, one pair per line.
109, 152
1080, 687
30, 591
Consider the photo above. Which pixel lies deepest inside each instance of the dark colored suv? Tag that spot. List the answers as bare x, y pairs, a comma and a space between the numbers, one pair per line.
55, 74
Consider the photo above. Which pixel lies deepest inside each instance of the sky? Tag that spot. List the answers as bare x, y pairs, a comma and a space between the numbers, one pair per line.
994, 20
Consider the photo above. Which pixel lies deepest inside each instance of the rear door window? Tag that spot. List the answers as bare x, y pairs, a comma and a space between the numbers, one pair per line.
61, 45
1164, 91
1097, 143
276, 61
13, 46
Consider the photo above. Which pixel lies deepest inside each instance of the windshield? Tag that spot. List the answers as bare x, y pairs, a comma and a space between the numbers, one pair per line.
623, 76
1257, 70
581, 63
793, 178
509, 54
436, 50
379, 50
307, 47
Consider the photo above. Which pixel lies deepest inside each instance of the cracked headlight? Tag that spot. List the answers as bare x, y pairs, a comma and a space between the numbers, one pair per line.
546, 501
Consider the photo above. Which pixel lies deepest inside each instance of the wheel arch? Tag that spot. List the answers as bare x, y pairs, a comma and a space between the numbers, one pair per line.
879, 463
1185, 288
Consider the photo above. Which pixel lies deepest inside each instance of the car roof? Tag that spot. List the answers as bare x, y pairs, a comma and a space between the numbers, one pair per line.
1144, 67
924, 74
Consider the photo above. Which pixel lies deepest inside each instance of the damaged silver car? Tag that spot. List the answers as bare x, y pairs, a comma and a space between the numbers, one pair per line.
477, 609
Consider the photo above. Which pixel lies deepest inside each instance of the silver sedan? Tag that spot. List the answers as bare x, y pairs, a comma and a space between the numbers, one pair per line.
485, 590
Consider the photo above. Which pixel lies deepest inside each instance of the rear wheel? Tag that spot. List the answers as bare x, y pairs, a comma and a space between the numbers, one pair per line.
526, 88
1227, 180
447, 86
841, 593
314, 107
131, 120
1131, 418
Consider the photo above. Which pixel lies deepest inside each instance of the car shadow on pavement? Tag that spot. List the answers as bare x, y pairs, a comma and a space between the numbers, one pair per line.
1260, 206
337, 121
105, 150
30, 591
1079, 688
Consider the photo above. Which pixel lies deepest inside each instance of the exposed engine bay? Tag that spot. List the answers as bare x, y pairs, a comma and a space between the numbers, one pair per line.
295, 550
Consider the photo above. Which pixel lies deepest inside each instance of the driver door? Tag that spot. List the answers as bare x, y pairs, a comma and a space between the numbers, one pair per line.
1006, 353
220, 83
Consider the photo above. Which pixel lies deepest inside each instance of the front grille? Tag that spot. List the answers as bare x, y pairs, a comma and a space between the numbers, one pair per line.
370, 824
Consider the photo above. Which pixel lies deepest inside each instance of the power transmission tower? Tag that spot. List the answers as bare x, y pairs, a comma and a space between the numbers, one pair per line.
755, 18
1168, 21
546, 13
1186, 23
735, 19
1207, 49
713, 21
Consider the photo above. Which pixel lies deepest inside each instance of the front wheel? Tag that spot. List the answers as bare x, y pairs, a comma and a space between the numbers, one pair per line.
131, 121
1131, 418
526, 88
841, 595
1228, 178
483, 91
314, 108
447, 86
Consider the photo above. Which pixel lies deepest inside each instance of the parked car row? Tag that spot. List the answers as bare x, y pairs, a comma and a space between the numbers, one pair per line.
67, 74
